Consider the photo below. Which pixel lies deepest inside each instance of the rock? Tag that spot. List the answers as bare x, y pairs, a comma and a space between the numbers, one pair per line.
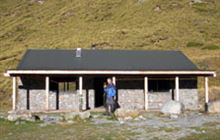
70, 115
42, 116
10, 134
37, 1
172, 107
84, 115
26, 116
43, 124
173, 116
141, 1
120, 119
17, 122
12, 116
123, 113
214, 107
70, 122
95, 116
157, 8
196, 1
128, 118
121, 122
52, 119
139, 118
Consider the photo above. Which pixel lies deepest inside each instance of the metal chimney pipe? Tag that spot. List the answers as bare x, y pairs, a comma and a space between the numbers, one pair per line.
78, 52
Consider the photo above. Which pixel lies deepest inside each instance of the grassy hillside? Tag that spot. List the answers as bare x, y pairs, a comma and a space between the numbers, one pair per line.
193, 28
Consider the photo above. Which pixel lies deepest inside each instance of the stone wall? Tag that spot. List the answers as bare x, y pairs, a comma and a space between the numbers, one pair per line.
134, 99
61, 101
131, 98
190, 99
21, 99
68, 101
88, 99
157, 99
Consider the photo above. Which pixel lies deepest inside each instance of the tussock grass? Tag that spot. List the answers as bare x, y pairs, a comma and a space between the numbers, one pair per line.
194, 44
211, 47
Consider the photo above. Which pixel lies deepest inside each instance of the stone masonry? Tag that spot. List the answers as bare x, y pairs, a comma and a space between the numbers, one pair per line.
134, 99
67, 100
33, 92
131, 99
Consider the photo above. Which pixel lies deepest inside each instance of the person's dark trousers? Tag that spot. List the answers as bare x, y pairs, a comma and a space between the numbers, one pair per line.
109, 105
106, 109
115, 106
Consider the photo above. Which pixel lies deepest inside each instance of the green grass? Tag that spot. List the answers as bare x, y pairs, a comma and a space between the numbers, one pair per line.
169, 129
210, 124
109, 24
199, 128
211, 134
211, 47
209, 8
207, 132
194, 44
82, 131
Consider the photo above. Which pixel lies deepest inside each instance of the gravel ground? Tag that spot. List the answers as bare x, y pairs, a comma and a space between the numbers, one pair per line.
158, 126
152, 125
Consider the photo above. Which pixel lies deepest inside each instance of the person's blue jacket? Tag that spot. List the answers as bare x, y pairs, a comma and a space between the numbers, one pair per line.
110, 90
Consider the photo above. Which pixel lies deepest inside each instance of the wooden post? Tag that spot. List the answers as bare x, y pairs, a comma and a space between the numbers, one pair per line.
14, 86
206, 93
177, 87
146, 92
80, 93
114, 80
47, 89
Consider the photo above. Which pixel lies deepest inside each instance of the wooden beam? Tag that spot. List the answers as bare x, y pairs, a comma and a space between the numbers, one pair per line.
114, 80
80, 85
177, 87
80, 93
146, 92
206, 90
47, 89
117, 72
14, 87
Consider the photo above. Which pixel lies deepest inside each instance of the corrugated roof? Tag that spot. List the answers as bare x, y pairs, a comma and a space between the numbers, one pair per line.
55, 59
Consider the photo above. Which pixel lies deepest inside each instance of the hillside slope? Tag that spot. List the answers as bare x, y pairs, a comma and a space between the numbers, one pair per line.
191, 27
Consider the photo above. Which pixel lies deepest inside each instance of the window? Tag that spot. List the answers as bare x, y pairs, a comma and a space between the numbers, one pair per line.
160, 85
67, 86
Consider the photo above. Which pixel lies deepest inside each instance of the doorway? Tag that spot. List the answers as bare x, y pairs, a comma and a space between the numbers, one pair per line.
99, 91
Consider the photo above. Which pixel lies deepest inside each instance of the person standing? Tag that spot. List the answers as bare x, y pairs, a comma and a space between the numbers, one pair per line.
110, 91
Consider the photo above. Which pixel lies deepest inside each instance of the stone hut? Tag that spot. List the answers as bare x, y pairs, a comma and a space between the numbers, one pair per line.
72, 80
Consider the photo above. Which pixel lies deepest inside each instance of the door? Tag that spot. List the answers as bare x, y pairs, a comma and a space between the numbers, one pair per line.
99, 91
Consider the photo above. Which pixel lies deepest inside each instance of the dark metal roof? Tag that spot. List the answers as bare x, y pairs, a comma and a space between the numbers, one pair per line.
125, 60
